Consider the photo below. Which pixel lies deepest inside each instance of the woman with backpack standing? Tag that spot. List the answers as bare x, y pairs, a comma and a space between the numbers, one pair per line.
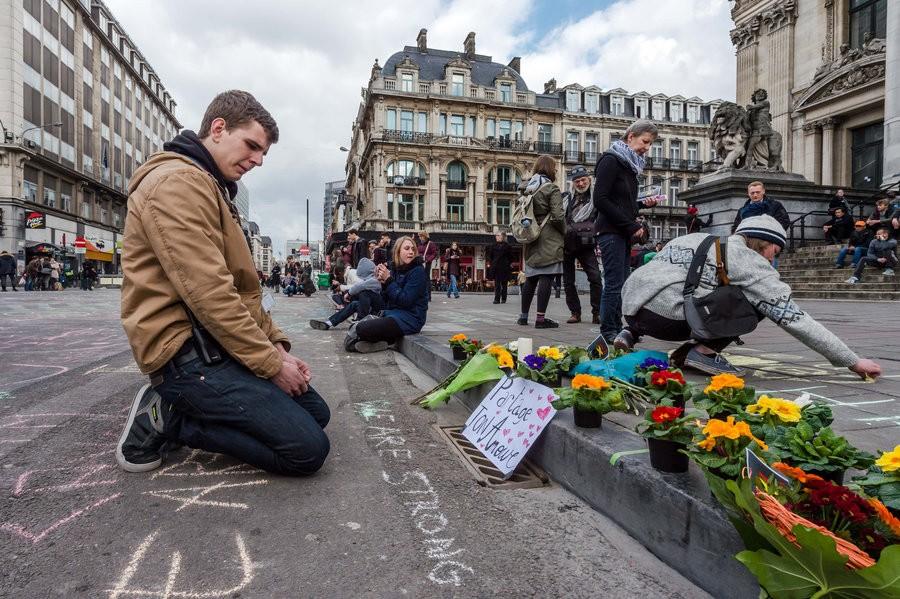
615, 199
453, 257
543, 256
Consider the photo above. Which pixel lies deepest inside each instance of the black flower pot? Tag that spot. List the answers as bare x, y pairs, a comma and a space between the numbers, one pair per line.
588, 418
835, 476
665, 457
458, 353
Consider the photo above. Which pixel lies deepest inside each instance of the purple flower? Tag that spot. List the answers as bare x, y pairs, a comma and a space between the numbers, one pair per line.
653, 363
534, 362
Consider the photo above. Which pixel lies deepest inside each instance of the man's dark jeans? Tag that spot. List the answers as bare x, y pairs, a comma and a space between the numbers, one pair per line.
225, 408
367, 302
614, 256
588, 260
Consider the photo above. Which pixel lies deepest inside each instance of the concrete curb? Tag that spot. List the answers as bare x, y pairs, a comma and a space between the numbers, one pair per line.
674, 516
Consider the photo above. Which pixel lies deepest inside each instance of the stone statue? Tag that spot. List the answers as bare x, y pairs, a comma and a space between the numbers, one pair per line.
744, 139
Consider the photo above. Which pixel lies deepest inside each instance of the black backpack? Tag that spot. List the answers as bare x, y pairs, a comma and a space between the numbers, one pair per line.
723, 314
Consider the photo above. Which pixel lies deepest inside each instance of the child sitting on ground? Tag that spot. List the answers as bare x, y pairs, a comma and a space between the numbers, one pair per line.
362, 298
858, 244
882, 254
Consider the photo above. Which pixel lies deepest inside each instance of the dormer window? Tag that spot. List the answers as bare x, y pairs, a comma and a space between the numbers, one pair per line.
591, 103
457, 84
675, 111
693, 113
659, 110
406, 82
506, 92
573, 100
617, 105
640, 109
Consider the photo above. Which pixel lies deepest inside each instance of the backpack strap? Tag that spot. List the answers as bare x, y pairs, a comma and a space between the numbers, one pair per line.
696, 267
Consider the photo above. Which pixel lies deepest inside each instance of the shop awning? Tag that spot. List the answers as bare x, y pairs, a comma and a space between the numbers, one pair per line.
41, 247
92, 252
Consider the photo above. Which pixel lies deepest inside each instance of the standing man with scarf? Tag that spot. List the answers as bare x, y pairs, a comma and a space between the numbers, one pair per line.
615, 199
580, 243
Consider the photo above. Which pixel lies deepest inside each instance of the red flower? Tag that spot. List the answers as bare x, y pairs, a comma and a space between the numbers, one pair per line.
661, 378
665, 414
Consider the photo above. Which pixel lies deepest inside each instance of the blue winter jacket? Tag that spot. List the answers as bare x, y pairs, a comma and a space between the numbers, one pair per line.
406, 296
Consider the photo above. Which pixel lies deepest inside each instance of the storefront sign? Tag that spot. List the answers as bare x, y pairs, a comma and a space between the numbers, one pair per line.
80, 245
509, 420
35, 220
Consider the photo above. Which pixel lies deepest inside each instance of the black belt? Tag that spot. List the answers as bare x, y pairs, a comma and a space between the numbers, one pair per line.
184, 355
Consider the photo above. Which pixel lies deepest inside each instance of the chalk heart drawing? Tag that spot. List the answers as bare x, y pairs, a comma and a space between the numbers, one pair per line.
35, 537
172, 588
514, 406
85, 476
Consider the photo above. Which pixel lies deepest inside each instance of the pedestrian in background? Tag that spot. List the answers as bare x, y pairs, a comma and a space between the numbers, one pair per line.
858, 244
882, 254
452, 259
32, 274
838, 227
580, 245
8, 269
54, 275
693, 222
615, 198
381, 255
759, 203
500, 255
544, 256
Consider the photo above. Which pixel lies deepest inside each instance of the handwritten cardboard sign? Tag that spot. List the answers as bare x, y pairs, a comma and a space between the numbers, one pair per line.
509, 420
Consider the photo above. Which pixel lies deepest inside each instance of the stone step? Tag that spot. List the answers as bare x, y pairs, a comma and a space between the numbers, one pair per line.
891, 296
815, 250
875, 286
823, 262
830, 276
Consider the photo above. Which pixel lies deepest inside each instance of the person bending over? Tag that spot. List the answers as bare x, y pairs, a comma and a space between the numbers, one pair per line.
654, 303
221, 375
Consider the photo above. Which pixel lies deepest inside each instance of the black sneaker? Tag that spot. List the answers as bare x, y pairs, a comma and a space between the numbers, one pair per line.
141, 444
710, 364
523, 322
370, 347
320, 325
546, 324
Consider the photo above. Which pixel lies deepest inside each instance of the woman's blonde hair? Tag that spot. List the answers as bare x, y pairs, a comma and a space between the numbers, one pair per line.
423, 233
399, 244
757, 245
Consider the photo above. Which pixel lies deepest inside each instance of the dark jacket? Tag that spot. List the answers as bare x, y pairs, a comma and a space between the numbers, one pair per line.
694, 223
838, 202
499, 256
882, 249
860, 239
883, 218
380, 255
358, 250
7, 265
579, 235
615, 196
453, 257
840, 227
773, 208
547, 249
406, 296
427, 250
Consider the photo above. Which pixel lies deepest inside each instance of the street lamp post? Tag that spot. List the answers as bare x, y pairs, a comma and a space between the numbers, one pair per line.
22, 137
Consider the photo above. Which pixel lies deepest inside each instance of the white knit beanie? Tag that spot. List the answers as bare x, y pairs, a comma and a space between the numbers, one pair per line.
763, 227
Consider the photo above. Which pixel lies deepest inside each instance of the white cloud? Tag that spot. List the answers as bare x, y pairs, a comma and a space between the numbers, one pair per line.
306, 62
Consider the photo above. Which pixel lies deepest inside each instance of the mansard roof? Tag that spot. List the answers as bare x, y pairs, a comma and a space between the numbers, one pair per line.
433, 63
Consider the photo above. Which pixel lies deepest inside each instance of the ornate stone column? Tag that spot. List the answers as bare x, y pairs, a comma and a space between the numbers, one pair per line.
778, 24
812, 147
433, 207
470, 200
891, 166
746, 42
442, 200
828, 167
479, 213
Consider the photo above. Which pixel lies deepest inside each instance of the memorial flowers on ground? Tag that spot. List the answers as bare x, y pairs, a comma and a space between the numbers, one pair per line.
590, 393
664, 384
485, 366
725, 394
464, 346
550, 363
668, 423
882, 480
819, 450
720, 446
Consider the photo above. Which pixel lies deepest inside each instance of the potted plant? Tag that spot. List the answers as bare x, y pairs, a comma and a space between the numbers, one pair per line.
538, 369
590, 397
668, 431
664, 385
721, 448
725, 394
463, 347
882, 480
821, 452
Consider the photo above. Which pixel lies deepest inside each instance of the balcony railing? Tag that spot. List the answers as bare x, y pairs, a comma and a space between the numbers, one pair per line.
406, 225
401, 181
503, 186
657, 162
456, 184
408, 136
585, 158
460, 226
504, 143
545, 147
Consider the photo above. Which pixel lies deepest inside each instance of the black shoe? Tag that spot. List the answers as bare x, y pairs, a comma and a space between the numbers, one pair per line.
710, 364
624, 341
320, 325
141, 444
369, 347
523, 322
838, 266
595, 319
495, 302
546, 324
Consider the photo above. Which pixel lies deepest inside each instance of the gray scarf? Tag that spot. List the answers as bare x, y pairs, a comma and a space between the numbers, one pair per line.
624, 151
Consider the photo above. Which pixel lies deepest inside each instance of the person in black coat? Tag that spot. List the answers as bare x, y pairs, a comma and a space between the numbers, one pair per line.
858, 244
499, 256
453, 257
693, 222
839, 227
838, 201
615, 199
758, 204
8, 269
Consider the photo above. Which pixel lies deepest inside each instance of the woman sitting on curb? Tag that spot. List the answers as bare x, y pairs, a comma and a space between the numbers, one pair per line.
654, 303
405, 293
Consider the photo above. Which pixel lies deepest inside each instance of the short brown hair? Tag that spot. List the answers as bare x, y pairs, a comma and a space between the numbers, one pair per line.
757, 245
755, 184
399, 244
545, 165
238, 108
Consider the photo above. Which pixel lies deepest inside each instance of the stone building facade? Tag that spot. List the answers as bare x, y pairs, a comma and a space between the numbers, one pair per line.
443, 138
80, 109
832, 72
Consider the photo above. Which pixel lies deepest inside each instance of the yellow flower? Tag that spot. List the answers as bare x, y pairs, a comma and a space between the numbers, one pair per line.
786, 411
552, 353
729, 429
708, 444
724, 381
886, 516
504, 360
458, 337
494, 349
582, 381
889, 460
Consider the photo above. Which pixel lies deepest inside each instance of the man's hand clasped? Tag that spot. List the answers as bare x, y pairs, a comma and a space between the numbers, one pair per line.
294, 376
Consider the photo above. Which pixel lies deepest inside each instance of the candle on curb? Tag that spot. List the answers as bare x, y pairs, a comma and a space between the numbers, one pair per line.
524, 347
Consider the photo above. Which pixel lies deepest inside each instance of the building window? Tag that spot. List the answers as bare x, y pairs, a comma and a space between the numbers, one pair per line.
675, 149
505, 129
390, 119
457, 125
867, 16
504, 178
30, 184
572, 143
457, 175
656, 150
590, 147
406, 82
422, 126
31, 50
32, 105
442, 124
674, 189
65, 197
573, 100
506, 92
470, 126
406, 120
50, 191
545, 133
591, 103
456, 210
406, 206
640, 109
867, 154
405, 172
693, 113
457, 82
490, 128
503, 212
87, 205
659, 110
693, 151
618, 105
518, 130
675, 111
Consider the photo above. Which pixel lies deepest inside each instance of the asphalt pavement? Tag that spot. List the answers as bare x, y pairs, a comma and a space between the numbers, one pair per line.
393, 513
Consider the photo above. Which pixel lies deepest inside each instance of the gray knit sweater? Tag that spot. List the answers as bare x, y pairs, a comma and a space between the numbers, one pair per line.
659, 284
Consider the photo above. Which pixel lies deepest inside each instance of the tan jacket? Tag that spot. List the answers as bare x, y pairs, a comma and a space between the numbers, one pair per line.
182, 244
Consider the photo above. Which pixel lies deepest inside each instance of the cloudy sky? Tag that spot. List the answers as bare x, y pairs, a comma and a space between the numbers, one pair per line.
306, 61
